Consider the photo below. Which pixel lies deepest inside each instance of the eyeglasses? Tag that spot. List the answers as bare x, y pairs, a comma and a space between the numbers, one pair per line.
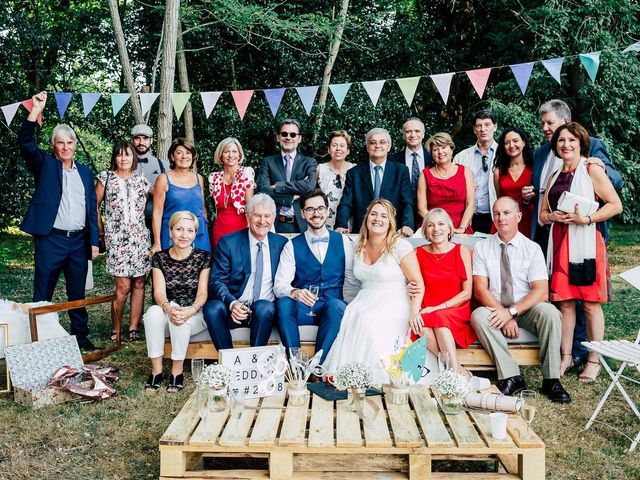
289, 134
374, 142
338, 181
485, 166
310, 210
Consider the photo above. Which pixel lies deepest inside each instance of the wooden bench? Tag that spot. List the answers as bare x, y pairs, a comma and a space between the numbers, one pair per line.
325, 439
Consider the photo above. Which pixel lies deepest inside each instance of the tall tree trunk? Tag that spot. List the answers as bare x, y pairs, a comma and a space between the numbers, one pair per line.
326, 77
154, 70
184, 85
167, 76
124, 60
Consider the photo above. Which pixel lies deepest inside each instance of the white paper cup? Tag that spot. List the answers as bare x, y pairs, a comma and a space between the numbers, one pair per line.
498, 425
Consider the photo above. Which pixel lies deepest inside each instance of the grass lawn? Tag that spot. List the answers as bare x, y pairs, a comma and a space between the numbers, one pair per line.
118, 438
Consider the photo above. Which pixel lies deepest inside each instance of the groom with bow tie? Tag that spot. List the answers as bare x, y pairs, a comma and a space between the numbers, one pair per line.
318, 257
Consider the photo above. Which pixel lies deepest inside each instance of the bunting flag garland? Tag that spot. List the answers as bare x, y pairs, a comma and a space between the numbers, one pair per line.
179, 101
373, 89
554, 67
147, 100
274, 99
339, 91
62, 100
522, 72
209, 100
242, 99
591, 63
89, 101
9, 111
307, 96
408, 87
479, 79
632, 48
117, 101
443, 85
28, 104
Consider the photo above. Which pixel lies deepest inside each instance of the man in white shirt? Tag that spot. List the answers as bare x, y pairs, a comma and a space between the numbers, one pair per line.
479, 158
510, 281
321, 258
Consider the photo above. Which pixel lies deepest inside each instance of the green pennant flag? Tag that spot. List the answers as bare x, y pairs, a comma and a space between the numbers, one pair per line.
591, 63
179, 101
408, 86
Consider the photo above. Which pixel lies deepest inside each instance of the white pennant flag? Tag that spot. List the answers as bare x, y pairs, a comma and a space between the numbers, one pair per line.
442, 82
9, 111
373, 89
147, 100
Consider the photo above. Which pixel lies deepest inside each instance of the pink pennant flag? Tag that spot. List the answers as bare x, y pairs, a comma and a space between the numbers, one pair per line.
28, 104
9, 111
442, 81
242, 99
209, 100
479, 79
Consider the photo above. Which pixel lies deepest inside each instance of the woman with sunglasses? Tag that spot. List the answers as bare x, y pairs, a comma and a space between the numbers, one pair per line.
513, 170
333, 174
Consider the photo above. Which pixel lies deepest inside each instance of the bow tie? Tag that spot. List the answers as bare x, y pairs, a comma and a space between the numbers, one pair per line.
324, 239
143, 160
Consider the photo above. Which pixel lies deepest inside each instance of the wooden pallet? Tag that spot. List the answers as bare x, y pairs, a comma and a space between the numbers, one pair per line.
327, 440
474, 358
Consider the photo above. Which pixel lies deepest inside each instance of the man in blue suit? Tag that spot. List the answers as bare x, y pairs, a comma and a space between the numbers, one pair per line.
287, 175
553, 114
62, 217
317, 257
373, 179
242, 274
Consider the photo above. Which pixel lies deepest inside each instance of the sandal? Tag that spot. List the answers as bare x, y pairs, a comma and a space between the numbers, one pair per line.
154, 382
176, 383
569, 367
583, 378
114, 336
134, 336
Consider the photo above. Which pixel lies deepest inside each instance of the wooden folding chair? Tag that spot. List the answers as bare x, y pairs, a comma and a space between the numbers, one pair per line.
629, 354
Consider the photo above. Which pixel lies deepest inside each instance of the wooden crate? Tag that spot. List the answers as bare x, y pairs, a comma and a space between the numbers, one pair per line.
327, 440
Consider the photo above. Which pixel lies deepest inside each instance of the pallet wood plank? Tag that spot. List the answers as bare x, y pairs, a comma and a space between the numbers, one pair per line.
294, 425
376, 430
321, 428
208, 430
348, 433
426, 408
419, 467
335, 462
531, 464
463, 431
236, 430
183, 425
405, 430
266, 428
483, 423
280, 464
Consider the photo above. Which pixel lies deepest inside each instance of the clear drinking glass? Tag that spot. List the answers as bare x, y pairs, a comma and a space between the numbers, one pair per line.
444, 361
197, 365
236, 405
528, 410
313, 290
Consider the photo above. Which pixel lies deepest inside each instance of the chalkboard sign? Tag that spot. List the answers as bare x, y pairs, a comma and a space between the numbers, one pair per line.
252, 371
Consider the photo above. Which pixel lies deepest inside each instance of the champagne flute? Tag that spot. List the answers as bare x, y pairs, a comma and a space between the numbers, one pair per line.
236, 405
528, 410
444, 361
313, 290
203, 405
197, 365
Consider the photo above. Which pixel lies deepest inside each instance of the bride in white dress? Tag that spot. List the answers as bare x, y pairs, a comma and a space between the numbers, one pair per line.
382, 312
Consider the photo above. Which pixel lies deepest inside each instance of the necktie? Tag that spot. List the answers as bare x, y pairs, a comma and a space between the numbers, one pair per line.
415, 173
506, 280
257, 281
288, 211
378, 182
143, 160
324, 239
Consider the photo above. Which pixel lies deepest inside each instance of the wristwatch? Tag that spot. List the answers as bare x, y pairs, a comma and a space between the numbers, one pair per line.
513, 312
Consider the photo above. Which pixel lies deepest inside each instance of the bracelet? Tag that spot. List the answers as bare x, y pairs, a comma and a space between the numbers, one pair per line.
462, 227
446, 304
162, 304
589, 217
548, 219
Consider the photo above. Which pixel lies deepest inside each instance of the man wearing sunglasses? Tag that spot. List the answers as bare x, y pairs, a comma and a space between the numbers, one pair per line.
479, 158
287, 175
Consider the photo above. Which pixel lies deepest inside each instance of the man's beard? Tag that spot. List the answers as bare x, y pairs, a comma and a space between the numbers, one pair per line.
138, 148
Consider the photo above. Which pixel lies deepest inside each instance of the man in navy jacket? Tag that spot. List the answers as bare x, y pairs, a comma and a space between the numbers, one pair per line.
62, 216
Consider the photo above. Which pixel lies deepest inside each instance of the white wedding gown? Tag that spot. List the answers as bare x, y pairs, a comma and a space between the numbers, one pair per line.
377, 318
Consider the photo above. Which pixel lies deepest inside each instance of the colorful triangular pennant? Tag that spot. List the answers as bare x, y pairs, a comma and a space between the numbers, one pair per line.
28, 104
89, 101
373, 89
209, 100
479, 79
339, 91
242, 99
442, 81
274, 98
408, 87
522, 72
179, 101
117, 101
147, 100
554, 67
62, 100
307, 95
591, 63
635, 47
9, 111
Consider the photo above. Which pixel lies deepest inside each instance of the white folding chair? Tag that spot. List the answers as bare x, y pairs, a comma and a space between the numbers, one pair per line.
629, 354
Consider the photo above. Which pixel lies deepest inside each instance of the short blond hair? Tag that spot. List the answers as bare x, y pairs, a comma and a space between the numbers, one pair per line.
222, 146
183, 215
435, 213
392, 236
440, 139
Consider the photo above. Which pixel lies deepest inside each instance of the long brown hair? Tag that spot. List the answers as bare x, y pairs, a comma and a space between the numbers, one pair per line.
392, 236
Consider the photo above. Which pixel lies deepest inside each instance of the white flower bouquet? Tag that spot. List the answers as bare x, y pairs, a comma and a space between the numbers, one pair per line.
353, 375
216, 376
451, 384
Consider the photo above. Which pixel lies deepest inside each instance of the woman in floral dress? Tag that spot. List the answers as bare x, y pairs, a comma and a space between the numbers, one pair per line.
125, 236
333, 174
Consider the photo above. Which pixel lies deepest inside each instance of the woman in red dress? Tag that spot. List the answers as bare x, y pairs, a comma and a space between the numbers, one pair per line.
577, 255
446, 270
513, 170
230, 189
447, 185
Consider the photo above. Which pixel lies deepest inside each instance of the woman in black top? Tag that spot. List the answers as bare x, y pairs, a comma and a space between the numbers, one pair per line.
180, 279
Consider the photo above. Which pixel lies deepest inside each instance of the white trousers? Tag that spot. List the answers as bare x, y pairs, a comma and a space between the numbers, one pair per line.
156, 323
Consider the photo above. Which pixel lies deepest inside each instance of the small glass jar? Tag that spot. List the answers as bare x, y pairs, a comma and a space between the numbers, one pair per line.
398, 394
451, 405
218, 398
297, 392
